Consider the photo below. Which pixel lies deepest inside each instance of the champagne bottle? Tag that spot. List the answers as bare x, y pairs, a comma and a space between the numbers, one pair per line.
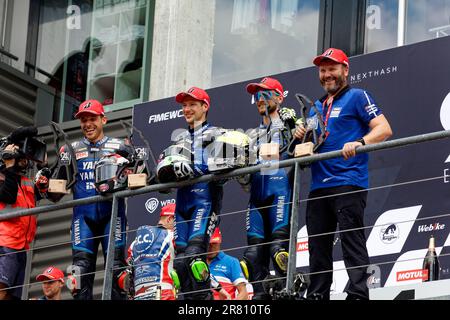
158, 293
431, 262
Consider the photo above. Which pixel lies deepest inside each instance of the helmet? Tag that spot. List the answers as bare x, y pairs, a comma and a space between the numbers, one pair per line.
230, 150
174, 164
111, 173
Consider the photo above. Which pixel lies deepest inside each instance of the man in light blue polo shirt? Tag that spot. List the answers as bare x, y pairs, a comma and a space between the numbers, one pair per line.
226, 270
351, 119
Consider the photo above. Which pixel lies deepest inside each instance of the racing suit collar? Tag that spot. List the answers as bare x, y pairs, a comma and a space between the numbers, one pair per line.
98, 143
204, 125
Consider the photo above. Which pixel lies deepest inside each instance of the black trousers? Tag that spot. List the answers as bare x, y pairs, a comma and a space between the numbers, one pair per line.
322, 216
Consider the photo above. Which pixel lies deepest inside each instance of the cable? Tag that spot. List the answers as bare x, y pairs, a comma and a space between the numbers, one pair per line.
264, 207
268, 243
272, 279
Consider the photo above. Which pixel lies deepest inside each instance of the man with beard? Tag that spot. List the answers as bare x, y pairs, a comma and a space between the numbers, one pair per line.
91, 222
352, 119
268, 213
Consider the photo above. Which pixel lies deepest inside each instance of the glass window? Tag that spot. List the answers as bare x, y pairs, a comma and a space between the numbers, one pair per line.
2, 22
63, 50
381, 25
427, 20
3, 30
254, 38
117, 58
93, 49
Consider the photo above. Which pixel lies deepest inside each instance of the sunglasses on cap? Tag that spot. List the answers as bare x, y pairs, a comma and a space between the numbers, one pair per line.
267, 94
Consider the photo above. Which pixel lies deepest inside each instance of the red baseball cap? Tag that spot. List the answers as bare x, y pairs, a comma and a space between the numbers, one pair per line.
265, 84
216, 236
336, 55
168, 210
51, 273
196, 93
90, 106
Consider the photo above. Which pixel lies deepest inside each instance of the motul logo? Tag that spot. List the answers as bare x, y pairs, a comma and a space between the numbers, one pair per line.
431, 227
302, 246
419, 274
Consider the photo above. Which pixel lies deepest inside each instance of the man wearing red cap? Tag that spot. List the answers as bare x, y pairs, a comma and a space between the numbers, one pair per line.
270, 191
150, 260
351, 119
226, 270
52, 283
91, 222
198, 204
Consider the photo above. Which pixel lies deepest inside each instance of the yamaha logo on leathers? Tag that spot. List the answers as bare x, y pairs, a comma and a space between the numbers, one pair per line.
76, 231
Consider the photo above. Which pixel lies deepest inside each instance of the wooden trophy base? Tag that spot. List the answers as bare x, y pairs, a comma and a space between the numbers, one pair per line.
304, 149
270, 151
137, 180
58, 186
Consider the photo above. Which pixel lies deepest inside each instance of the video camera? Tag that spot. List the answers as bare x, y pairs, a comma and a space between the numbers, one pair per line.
29, 147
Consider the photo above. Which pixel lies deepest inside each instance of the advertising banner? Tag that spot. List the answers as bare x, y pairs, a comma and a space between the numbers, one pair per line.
408, 199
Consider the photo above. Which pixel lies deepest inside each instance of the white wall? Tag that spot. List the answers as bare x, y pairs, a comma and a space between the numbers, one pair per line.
182, 46
19, 32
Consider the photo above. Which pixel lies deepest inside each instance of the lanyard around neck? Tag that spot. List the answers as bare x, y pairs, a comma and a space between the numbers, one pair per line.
327, 116
330, 107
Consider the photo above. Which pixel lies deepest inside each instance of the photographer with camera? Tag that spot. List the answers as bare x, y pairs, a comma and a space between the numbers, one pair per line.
19, 151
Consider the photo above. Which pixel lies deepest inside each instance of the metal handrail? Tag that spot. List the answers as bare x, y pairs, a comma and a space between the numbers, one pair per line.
107, 284
9, 214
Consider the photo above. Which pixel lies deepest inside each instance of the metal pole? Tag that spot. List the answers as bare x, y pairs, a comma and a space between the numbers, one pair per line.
401, 27
292, 264
108, 280
26, 282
